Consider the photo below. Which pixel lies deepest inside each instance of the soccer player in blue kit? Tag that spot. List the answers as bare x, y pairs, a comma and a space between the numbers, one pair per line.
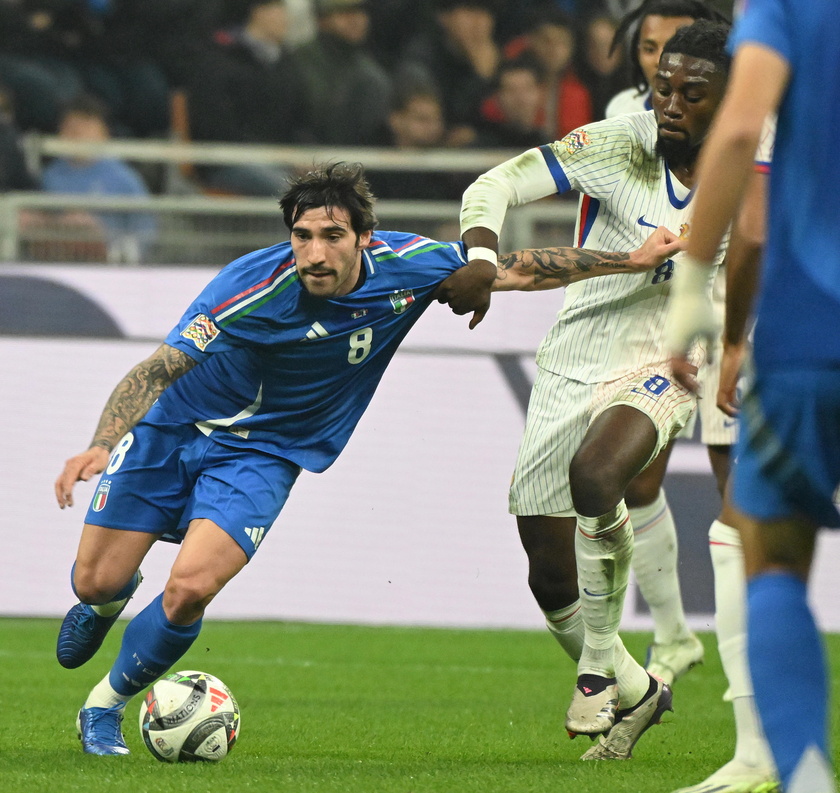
786, 60
267, 373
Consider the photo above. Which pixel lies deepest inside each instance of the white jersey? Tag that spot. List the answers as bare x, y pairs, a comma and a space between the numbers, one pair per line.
613, 324
628, 101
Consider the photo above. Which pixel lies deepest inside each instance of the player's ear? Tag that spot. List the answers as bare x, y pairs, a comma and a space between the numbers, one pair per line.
363, 240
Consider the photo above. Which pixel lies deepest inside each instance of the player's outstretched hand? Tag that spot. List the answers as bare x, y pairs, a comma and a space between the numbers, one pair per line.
82, 467
730, 371
468, 289
657, 249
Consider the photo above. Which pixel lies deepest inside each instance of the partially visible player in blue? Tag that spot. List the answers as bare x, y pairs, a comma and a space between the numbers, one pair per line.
267, 373
787, 58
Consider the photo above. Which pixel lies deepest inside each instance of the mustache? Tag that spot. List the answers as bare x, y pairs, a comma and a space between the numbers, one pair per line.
318, 270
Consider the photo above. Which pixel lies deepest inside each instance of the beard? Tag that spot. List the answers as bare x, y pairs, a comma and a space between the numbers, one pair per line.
677, 152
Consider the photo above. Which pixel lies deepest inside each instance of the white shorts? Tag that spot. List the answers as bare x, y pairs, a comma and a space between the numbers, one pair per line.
716, 428
559, 414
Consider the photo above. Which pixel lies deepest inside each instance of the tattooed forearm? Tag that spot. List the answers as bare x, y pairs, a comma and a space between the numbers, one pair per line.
560, 266
137, 392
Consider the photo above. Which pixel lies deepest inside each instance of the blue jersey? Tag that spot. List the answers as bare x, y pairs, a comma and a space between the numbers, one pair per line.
799, 302
289, 374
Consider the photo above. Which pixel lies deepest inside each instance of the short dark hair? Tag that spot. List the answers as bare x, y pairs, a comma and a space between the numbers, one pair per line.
524, 62
491, 6
696, 9
338, 185
702, 39
87, 105
403, 95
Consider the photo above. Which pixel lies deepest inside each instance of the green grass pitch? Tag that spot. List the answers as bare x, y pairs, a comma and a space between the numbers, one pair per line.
346, 709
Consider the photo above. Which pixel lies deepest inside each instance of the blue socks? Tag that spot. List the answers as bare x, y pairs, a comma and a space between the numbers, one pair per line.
788, 669
151, 644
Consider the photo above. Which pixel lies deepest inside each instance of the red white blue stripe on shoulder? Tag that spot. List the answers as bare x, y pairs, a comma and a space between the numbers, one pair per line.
283, 276
381, 250
761, 167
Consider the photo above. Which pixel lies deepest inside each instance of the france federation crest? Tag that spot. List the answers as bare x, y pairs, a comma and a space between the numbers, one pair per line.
401, 300
101, 496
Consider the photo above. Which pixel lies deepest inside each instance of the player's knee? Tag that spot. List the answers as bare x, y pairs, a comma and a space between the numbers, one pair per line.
595, 484
94, 586
186, 597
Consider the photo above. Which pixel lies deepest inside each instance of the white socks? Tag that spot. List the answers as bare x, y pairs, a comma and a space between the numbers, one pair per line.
566, 625
603, 548
655, 568
730, 624
103, 695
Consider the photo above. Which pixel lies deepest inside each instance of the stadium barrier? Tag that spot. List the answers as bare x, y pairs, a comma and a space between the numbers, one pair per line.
410, 526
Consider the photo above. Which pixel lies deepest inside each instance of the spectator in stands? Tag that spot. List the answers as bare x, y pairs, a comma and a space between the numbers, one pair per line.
38, 41
14, 172
126, 235
347, 91
461, 57
121, 62
247, 89
415, 123
512, 117
52, 50
550, 37
598, 64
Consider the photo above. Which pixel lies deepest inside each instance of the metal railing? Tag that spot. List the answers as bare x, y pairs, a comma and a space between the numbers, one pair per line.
187, 227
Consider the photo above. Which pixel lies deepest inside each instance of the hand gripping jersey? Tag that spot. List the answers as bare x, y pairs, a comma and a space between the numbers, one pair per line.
612, 324
289, 374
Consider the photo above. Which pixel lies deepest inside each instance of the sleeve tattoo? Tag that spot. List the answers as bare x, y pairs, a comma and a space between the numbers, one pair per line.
561, 266
137, 392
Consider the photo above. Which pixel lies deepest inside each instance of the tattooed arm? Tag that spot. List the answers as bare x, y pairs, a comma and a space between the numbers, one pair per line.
128, 403
549, 268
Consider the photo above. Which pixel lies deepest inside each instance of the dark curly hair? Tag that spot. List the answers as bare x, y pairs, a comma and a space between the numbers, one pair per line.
703, 39
337, 185
696, 9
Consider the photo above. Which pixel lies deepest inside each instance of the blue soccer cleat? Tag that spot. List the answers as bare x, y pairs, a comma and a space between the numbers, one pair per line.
100, 730
83, 631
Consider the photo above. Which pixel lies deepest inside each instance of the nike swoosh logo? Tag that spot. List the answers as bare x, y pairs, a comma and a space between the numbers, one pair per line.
597, 594
642, 222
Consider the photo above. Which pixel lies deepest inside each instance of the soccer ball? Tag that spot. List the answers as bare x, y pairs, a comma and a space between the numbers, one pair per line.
189, 716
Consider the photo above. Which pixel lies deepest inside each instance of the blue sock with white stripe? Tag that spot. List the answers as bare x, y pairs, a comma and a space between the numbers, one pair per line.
787, 665
151, 644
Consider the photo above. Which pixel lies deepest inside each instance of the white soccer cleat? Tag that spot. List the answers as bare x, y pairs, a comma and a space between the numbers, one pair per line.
737, 777
618, 743
593, 706
669, 662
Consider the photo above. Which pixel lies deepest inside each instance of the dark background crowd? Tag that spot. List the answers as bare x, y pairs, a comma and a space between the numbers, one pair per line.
411, 74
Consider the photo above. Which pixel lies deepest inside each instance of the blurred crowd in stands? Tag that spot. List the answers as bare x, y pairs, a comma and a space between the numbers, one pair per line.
409, 74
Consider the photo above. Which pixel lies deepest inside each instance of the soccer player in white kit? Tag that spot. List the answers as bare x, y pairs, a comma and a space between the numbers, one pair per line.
675, 648
604, 404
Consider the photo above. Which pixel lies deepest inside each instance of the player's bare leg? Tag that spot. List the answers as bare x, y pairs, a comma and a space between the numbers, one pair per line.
675, 648
105, 576
617, 445
549, 543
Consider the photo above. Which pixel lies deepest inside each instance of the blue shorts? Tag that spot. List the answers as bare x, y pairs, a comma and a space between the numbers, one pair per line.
788, 450
160, 477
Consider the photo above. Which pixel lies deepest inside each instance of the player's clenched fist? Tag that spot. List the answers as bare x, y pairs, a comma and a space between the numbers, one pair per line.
82, 467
